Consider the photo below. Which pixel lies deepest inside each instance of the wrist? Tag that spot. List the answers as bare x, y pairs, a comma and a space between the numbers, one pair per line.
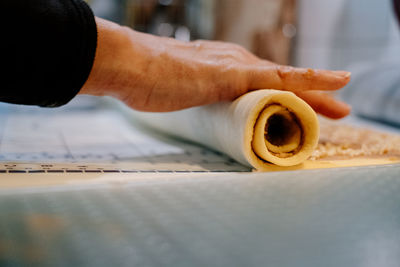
111, 39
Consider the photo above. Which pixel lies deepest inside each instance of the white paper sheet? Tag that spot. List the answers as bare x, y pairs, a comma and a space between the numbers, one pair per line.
95, 140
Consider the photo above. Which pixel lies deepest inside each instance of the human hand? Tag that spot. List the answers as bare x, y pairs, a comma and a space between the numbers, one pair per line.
151, 73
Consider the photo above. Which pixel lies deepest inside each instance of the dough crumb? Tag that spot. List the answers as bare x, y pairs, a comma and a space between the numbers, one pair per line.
342, 141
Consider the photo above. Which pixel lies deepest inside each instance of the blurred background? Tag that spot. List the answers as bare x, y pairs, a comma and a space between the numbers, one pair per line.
361, 36
266, 27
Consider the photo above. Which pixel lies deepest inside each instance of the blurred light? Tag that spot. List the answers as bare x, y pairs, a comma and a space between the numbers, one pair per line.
165, 29
289, 30
182, 33
165, 2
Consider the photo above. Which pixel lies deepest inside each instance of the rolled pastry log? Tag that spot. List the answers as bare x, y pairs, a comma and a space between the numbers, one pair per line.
259, 129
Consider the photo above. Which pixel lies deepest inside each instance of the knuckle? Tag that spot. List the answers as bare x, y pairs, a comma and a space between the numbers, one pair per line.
229, 61
198, 44
239, 48
283, 71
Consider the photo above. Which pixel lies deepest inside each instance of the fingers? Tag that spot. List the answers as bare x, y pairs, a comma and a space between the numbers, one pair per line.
325, 104
305, 83
296, 79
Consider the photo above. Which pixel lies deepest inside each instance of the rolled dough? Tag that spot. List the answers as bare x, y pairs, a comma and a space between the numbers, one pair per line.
263, 129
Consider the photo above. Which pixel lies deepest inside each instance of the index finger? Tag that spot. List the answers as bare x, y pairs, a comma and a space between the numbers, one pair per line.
297, 79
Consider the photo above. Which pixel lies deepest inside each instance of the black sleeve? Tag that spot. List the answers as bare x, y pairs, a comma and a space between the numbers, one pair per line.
47, 50
396, 5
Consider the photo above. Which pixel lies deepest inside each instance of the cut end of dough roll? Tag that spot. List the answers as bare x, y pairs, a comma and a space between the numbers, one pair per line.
283, 134
285, 130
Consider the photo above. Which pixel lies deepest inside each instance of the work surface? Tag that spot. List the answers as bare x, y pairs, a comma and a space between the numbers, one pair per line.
116, 199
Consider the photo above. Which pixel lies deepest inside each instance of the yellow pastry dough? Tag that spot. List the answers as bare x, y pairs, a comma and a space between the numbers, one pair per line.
262, 129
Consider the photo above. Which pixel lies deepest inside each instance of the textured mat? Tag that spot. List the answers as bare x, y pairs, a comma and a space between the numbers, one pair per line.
342, 217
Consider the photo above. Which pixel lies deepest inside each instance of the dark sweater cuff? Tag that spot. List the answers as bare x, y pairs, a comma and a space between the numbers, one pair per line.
83, 52
48, 50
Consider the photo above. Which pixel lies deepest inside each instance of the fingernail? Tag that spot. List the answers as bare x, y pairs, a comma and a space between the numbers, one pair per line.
344, 74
